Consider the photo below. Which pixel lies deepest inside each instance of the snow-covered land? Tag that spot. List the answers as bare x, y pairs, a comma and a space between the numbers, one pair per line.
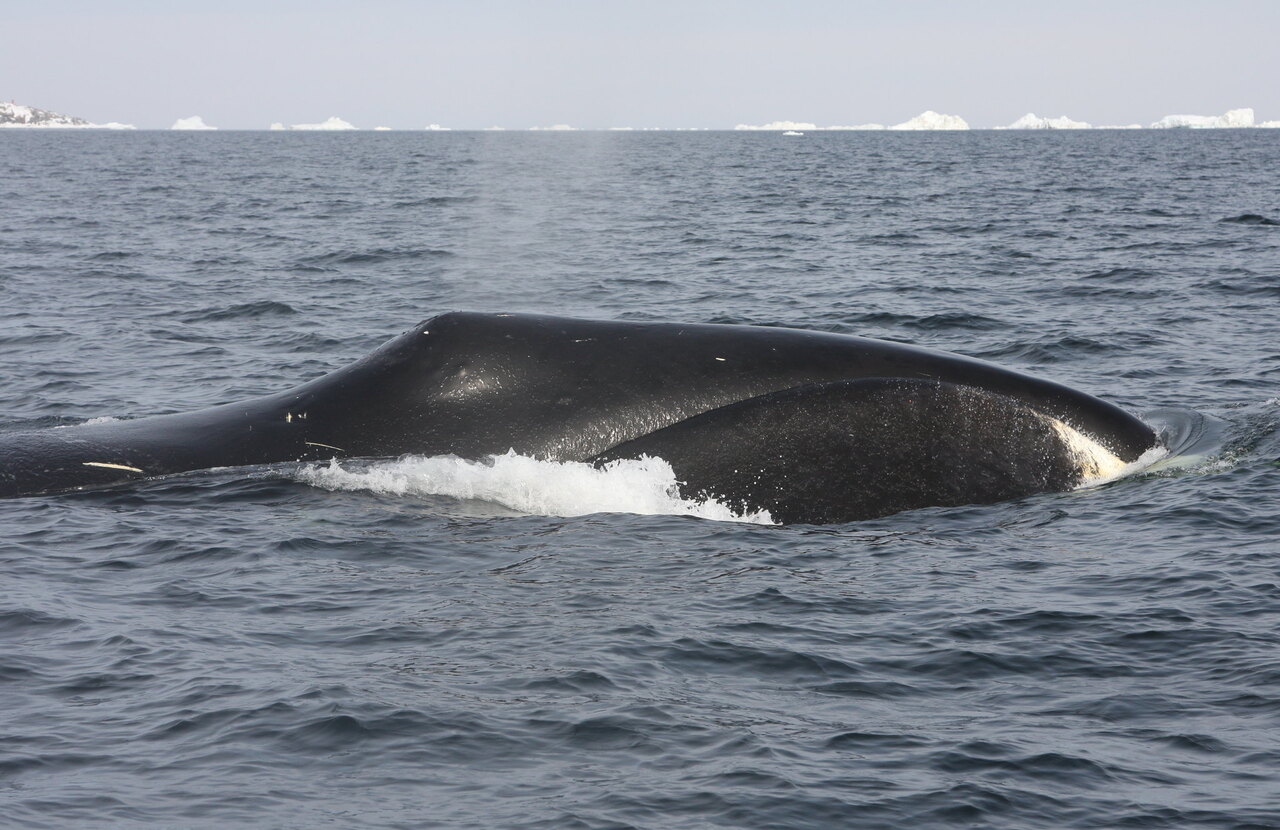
930, 120
1031, 121
19, 115
195, 122
333, 122
1231, 119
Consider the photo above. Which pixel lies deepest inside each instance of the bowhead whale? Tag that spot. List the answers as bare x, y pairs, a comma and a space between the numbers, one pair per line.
813, 427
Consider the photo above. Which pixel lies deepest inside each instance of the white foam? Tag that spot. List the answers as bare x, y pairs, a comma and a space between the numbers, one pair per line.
1231, 119
195, 122
101, 419
547, 488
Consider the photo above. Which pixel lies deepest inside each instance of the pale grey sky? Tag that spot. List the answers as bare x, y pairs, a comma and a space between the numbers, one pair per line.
691, 63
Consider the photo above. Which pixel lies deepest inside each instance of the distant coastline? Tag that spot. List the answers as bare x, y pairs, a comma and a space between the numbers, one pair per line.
21, 116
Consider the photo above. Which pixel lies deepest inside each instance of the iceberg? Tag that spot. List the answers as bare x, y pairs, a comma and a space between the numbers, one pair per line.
195, 122
1119, 127
779, 125
554, 128
1230, 120
1031, 121
19, 115
276, 125
382, 129
859, 127
930, 120
333, 122
1270, 125
437, 128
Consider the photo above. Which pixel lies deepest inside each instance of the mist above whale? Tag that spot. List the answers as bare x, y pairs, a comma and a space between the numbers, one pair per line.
810, 426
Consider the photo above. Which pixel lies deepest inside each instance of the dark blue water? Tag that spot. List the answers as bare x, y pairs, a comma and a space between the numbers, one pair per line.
241, 648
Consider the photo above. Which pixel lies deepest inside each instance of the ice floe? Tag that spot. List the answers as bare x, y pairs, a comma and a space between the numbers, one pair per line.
1231, 119
780, 126
930, 120
333, 122
195, 122
1031, 121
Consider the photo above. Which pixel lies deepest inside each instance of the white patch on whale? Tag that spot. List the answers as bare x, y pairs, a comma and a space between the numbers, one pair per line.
1097, 464
108, 465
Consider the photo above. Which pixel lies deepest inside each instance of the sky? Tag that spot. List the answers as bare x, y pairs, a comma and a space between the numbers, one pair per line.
471, 64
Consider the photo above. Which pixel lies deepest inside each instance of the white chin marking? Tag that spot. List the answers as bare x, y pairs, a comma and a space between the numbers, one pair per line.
1097, 464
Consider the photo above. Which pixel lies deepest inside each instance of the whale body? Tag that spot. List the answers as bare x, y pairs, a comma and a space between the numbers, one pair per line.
811, 426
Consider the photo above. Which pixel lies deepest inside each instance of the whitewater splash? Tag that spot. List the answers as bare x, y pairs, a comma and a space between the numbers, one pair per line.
646, 486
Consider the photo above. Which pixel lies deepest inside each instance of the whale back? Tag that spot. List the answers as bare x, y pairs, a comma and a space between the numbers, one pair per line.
471, 385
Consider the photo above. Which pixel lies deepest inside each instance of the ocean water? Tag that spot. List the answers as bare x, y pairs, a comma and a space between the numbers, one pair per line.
292, 647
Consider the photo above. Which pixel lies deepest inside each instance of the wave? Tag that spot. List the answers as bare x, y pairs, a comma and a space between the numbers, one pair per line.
374, 256
260, 308
645, 486
1250, 219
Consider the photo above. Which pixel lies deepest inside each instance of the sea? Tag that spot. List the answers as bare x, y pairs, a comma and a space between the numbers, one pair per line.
307, 646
